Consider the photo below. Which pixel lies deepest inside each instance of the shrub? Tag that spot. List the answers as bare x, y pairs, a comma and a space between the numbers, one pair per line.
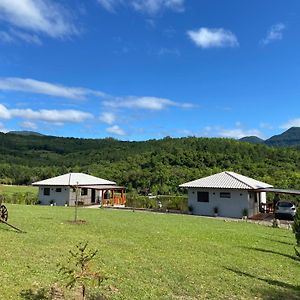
78, 271
296, 227
21, 198
245, 212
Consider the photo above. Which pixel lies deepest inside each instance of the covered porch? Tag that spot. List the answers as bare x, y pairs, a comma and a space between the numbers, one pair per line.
107, 195
278, 193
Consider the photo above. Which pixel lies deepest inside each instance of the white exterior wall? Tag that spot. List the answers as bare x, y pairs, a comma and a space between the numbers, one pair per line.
67, 195
60, 198
228, 207
87, 199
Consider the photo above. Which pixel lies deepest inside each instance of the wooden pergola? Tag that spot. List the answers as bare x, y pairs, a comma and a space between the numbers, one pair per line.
111, 195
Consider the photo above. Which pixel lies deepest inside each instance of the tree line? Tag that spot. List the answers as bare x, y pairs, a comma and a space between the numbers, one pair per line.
153, 166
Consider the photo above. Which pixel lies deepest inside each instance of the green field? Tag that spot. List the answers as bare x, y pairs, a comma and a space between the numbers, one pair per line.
17, 189
151, 256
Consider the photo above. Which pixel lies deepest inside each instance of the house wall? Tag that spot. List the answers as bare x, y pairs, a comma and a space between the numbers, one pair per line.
60, 198
86, 199
67, 195
254, 201
228, 207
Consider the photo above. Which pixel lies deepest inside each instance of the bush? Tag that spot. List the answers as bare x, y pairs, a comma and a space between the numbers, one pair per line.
21, 198
167, 202
296, 227
78, 271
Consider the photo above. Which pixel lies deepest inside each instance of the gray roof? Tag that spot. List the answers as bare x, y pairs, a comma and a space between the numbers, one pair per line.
72, 179
227, 180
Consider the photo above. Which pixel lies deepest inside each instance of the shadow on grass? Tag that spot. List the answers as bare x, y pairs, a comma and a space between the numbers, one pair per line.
6, 228
273, 252
281, 242
41, 294
291, 291
277, 235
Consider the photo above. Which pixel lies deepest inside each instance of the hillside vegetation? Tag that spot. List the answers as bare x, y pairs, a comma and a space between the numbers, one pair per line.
156, 166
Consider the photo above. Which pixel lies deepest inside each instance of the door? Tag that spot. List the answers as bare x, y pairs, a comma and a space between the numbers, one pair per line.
93, 199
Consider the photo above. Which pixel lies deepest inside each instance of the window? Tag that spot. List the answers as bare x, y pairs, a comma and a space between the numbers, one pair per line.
84, 192
58, 190
225, 195
203, 197
46, 191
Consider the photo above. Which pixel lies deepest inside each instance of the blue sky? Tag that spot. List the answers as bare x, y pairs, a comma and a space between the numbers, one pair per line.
142, 69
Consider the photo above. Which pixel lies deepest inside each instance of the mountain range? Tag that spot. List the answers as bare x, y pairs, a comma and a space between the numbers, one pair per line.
291, 137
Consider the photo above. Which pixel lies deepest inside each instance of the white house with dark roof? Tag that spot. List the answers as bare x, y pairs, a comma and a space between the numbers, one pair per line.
229, 192
61, 190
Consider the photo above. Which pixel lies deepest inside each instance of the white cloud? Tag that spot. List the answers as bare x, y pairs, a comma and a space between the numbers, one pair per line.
45, 88
150, 103
213, 38
116, 130
15, 36
239, 133
39, 16
275, 33
154, 6
3, 129
6, 37
69, 115
108, 118
110, 5
145, 6
4, 112
47, 115
57, 90
28, 125
291, 123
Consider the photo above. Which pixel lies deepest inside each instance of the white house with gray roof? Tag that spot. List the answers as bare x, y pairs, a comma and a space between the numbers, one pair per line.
61, 190
229, 192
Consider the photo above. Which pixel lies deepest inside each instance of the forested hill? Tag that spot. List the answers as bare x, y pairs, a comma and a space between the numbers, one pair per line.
156, 166
288, 138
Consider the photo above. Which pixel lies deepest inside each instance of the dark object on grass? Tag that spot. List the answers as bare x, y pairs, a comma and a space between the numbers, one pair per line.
3, 213
4, 217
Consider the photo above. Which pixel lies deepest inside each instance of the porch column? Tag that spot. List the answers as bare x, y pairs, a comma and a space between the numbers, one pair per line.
122, 196
113, 196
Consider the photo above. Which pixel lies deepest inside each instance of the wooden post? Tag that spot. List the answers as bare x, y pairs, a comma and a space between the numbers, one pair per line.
122, 196
76, 202
4, 222
113, 196
102, 197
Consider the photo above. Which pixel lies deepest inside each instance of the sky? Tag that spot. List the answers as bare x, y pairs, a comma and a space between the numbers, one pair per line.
147, 69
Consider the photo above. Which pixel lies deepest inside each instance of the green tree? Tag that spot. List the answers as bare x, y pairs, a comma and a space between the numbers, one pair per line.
78, 272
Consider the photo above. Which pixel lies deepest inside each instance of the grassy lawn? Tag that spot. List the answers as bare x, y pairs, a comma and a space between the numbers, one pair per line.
151, 256
19, 189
